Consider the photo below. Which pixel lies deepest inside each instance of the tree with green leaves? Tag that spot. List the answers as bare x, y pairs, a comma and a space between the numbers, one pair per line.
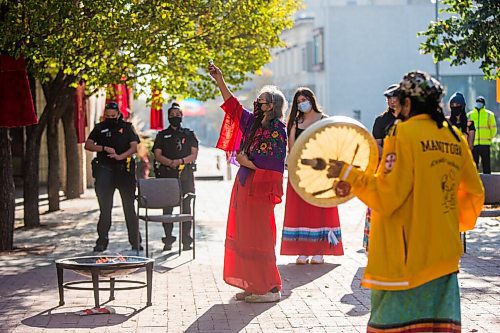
470, 32
167, 42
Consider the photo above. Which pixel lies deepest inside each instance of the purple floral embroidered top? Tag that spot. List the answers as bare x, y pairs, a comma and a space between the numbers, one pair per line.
268, 148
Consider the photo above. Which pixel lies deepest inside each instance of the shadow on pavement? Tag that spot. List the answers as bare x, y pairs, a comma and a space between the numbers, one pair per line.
216, 318
359, 296
236, 315
483, 240
53, 319
301, 275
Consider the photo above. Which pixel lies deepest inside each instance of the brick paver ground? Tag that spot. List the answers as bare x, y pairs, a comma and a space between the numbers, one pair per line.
190, 296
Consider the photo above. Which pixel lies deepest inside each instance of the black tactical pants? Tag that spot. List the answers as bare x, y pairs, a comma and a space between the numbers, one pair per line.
108, 179
482, 151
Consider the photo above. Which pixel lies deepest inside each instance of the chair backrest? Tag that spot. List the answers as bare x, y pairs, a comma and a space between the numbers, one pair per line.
157, 193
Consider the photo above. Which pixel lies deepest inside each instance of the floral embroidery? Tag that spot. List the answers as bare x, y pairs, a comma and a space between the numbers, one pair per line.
270, 141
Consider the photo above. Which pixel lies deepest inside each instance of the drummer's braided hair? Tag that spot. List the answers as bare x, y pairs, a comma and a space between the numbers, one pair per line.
425, 95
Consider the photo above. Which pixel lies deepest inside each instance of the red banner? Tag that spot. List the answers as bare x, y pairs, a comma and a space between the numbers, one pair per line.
16, 102
156, 113
80, 112
120, 94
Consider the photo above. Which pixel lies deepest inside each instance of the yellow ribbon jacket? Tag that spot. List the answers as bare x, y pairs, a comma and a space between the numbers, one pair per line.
425, 191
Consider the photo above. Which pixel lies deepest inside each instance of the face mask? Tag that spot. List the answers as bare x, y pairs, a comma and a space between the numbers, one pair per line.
257, 108
479, 105
175, 121
456, 110
304, 106
111, 122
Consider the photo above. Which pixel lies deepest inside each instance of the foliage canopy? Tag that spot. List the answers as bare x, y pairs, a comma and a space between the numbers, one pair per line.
169, 42
470, 32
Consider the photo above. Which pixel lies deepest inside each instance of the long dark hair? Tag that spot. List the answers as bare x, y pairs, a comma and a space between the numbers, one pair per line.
429, 106
293, 117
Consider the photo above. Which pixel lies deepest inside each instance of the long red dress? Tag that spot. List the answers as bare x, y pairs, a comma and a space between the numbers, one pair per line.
249, 258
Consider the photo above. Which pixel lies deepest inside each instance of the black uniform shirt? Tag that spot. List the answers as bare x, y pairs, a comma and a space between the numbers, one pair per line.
175, 144
382, 124
117, 137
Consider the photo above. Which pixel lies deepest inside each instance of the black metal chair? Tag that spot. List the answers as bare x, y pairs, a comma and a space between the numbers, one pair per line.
159, 193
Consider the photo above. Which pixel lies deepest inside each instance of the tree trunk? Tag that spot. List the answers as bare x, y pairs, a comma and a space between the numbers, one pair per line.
55, 91
73, 165
60, 95
53, 183
31, 184
7, 193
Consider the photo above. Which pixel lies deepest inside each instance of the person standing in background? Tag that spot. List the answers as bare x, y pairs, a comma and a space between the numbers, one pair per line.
385, 120
176, 150
307, 230
115, 141
458, 117
380, 129
486, 130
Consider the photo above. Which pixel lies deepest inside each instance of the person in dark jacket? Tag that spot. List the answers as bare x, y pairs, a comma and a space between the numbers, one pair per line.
459, 119
176, 150
385, 121
115, 142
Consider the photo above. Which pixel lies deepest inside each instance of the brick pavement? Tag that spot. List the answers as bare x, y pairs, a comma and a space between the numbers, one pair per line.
190, 296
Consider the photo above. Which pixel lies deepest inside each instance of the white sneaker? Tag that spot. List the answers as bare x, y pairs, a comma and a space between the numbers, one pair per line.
317, 259
266, 298
302, 260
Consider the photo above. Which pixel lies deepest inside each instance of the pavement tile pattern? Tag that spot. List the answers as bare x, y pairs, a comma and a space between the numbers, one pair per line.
190, 296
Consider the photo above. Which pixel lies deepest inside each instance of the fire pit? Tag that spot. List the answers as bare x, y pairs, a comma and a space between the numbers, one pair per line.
104, 267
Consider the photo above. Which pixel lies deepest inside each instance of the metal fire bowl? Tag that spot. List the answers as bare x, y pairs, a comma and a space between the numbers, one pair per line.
85, 265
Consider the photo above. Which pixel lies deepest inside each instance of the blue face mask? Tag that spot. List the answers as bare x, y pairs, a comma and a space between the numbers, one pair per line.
479, 105
304, 106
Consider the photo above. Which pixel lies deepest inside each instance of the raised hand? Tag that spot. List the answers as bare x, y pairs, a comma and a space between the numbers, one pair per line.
214, 71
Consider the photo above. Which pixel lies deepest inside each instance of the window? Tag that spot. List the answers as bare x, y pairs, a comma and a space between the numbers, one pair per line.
356, 114
318, 50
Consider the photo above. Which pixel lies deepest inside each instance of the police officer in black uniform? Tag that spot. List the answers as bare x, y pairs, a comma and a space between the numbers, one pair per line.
175, 150
115, 141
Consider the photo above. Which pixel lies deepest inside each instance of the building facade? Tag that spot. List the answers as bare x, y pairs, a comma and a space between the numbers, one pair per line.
350, 51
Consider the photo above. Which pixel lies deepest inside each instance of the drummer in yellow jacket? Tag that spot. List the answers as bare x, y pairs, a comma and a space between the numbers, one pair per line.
426, 190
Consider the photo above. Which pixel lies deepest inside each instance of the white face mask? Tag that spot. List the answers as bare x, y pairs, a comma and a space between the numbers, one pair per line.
304, 106
479, 105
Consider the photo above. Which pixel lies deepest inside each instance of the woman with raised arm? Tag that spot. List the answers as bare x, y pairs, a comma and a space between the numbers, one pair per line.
307, 230
257, 142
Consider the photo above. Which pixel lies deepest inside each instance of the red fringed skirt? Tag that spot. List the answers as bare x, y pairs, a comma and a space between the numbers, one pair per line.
310, 230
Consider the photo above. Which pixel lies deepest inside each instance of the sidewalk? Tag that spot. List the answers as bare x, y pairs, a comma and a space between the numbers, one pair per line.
190, 296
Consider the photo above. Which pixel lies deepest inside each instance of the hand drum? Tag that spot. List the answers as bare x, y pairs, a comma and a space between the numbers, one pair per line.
337, 138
